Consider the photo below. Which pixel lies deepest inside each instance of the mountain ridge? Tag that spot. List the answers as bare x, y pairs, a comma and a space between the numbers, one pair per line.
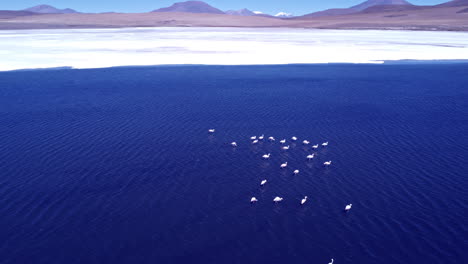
190, 7
357, 8
240, 12
48, 9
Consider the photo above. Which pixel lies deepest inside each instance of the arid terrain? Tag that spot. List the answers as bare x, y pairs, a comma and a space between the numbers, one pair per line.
453, 17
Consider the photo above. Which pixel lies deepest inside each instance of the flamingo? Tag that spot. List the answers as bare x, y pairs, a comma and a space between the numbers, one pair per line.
261, 137
211, 130
324, 144
348, 207
255, 141
283, 141
284, 165
315, 146
253, 138
294, 138
331, 261
286, 147
271, 138
277, 199
234, 144
296, 172
305, 142
263, 182
310, 156
253, 200
327, 163
304, 200
266, 156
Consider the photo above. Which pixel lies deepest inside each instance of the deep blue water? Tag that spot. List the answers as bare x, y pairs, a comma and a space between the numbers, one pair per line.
116, 165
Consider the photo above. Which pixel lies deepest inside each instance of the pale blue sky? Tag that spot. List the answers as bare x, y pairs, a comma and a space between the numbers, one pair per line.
297, 7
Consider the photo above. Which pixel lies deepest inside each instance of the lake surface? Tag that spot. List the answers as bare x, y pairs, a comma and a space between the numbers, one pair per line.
116, 165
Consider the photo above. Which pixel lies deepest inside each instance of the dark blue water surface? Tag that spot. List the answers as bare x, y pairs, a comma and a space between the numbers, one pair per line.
116, 165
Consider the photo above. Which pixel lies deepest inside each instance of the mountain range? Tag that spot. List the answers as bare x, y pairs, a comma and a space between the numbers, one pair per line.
371, 14
202, 7
47, 9
360, 7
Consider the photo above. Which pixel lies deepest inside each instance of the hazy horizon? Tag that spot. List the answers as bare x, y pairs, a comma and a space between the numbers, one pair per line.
296, 7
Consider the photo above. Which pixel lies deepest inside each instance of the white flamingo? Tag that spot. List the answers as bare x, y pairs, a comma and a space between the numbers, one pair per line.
253, 200
306, 142
310, 156
277, 199
294, 138
283, 141
296, 172
348, 207
253, 138
234, 144
331, 262
315, 146
261, 137
266, 156
211, 130
255, 141
324, 144
271, 138
327, 163
284, 165
304, 200
286, 147
263, 182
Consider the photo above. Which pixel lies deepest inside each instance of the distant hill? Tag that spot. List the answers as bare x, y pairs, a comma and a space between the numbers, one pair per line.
370, 3
241, 12
10, 14
261, 14
331, 12
454, 3
360, 7
392, 8
190, 7
47, 9
283, 15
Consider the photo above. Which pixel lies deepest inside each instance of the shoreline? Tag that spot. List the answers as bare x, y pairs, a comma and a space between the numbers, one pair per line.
406, 28
395, 29
377, 63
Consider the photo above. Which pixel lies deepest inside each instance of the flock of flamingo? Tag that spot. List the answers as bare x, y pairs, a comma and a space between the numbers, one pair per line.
277, 199
255, 140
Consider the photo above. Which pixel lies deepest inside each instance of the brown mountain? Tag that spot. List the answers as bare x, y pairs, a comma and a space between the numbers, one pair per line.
454, 3
241, 12
370, 3
4, 14
453, 17
392, 8
357, 8
191, 7
47, 9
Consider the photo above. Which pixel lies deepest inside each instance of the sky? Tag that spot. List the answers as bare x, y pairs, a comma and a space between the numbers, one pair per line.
296, 7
